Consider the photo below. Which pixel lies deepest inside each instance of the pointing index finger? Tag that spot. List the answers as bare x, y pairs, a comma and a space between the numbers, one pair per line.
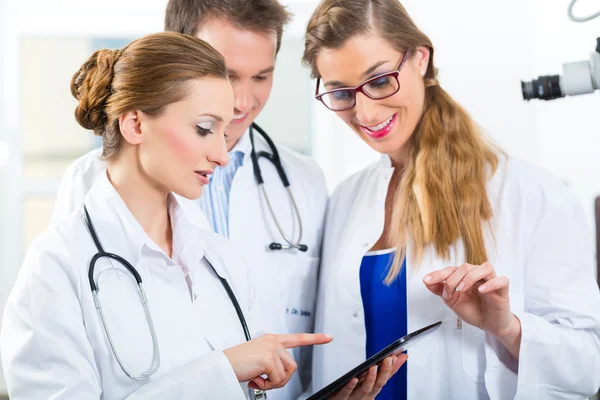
289, 341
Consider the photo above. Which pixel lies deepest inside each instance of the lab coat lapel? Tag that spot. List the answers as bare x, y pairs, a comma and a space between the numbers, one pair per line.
212, 304
220, 326
359, 237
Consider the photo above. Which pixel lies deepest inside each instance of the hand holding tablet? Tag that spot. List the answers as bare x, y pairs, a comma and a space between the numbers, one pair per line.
369, 384
346, 386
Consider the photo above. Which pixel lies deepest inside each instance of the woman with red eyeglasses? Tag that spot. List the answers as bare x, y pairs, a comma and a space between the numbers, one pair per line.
446, 227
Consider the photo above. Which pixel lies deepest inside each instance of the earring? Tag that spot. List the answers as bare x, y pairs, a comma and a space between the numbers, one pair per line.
423, 73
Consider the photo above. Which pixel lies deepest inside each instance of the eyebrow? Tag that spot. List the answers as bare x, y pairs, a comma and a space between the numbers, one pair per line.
215, 116
261, 72
364, 74
266, 70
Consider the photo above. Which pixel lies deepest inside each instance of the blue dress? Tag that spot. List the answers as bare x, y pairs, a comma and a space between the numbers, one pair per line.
385, 313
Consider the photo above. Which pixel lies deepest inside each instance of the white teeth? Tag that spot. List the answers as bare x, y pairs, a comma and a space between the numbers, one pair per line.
239, 116
381, 125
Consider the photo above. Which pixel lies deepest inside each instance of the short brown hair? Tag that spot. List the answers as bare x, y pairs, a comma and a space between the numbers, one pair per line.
265, 16
147, 75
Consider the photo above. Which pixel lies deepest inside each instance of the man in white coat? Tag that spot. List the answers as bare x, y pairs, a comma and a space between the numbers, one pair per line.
249, 39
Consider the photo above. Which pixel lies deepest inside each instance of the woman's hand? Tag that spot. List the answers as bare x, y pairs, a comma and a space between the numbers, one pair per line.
480, 298
267, 356
370, 384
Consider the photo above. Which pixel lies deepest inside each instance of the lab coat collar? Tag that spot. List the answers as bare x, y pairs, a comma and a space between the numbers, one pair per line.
385, 161
188, 240
119, 231
385, 169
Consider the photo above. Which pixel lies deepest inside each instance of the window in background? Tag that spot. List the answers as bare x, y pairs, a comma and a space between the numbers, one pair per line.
287, 115
51, 137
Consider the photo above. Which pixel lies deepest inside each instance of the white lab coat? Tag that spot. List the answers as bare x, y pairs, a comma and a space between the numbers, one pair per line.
540, 242
286, 281
52, 341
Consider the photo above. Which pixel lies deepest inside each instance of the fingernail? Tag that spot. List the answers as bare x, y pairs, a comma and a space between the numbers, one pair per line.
444, 294
427, 278
389, 362
375, 370
328, 336
482, 288
460, 287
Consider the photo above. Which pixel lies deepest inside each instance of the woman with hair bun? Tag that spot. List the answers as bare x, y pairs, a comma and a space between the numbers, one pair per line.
81, 327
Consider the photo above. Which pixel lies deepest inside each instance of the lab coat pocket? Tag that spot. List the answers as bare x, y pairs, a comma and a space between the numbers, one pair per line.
473, 352
299, 291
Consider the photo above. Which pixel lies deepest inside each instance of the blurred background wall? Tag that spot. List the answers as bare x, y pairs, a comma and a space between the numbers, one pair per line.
482, 49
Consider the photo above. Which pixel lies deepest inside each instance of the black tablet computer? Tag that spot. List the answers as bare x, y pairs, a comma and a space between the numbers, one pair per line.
394, 348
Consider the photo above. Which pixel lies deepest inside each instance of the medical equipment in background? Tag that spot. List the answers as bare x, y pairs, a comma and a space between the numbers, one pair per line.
155, 364
274, 158
579, 77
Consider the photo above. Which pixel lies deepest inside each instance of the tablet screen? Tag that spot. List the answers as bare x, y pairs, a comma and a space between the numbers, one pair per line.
394, 348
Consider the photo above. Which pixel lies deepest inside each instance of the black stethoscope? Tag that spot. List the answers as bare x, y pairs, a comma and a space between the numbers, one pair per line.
276, 161
154, 365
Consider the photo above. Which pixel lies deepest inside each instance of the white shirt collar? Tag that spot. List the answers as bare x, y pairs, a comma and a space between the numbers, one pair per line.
243, 145
118, 230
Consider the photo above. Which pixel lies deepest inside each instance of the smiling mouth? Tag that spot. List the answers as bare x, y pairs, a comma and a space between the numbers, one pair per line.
379, 127
380, 130
238, 118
